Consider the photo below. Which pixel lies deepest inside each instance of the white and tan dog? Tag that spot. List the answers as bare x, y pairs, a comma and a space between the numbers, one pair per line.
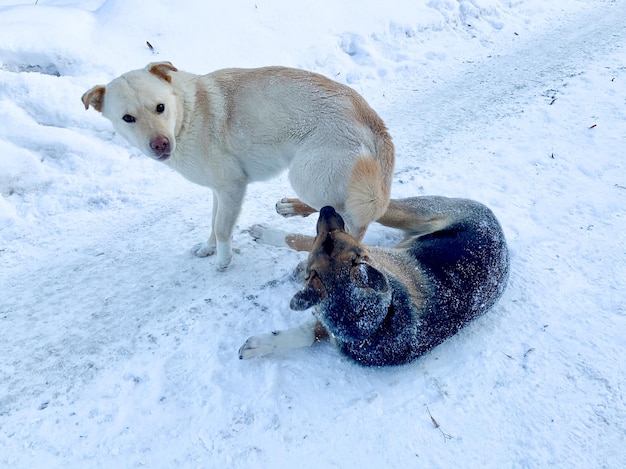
230, 127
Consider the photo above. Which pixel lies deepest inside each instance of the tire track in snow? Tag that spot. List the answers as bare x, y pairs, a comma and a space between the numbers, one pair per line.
477, 95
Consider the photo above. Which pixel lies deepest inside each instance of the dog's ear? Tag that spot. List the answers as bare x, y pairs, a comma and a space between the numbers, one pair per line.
94, 97
162, 70
311, 294
366, 276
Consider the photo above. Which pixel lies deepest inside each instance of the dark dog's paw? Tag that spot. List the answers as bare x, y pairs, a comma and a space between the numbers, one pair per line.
299, 272
266, 235
257, 231
246, 351
257, 346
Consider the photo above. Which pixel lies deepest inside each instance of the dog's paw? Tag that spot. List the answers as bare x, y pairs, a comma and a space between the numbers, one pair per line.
265, 235
285, 207
293, 207
303, 335
299, 272
257, 231
204, 249
256, 346
223, 260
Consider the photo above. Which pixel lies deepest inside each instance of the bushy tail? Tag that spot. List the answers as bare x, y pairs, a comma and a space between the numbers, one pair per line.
370, 182
368, 195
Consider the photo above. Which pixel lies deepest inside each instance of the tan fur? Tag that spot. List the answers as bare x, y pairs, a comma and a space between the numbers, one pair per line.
395, 217
296, 205
368, 197
94, 97
299, 242
234, 126
162, 69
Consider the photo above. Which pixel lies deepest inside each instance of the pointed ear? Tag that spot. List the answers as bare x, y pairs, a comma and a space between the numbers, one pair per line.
311, 294
94, 97
366, 276
162, 70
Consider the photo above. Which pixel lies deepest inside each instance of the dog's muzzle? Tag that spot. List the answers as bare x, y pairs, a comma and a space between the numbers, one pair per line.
330, 220
160, 147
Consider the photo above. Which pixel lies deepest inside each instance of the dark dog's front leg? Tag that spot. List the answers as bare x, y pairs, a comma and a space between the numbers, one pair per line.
304, 335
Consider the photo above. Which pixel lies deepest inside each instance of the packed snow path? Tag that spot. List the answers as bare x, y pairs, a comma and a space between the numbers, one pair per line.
434, 108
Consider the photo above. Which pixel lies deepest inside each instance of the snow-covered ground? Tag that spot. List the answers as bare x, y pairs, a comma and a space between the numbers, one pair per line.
119, 347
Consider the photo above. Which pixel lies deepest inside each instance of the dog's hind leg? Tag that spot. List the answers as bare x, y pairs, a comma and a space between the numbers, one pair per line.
304, 335
418, 215
293, 207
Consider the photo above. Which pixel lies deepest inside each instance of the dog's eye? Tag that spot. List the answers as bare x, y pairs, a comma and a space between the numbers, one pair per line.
128, 118
160, 108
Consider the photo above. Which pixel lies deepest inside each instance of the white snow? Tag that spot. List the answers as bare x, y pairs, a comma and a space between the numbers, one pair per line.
119, 347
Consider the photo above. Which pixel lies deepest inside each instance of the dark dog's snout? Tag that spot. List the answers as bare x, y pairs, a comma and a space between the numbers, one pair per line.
327, 212
330, 220
160, 146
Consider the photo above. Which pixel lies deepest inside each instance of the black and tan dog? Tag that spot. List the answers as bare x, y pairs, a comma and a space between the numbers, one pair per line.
387, 306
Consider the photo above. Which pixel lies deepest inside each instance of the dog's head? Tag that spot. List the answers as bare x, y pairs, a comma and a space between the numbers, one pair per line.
142, 107
351, 295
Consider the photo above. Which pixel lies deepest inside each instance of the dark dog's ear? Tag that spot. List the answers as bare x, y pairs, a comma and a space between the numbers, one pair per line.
312, 294
366, 276
162, 70
94, 97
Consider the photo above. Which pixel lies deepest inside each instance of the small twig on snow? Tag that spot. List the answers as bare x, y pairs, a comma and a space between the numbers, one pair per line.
438, 427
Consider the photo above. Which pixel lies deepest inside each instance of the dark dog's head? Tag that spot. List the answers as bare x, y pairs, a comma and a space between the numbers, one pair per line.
351, 295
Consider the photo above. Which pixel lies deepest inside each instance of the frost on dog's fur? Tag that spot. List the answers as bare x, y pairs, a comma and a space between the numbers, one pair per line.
388, 306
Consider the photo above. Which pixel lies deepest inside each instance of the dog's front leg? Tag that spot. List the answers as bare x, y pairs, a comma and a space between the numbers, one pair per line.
304, 335
208, 248
265, 235
226, 208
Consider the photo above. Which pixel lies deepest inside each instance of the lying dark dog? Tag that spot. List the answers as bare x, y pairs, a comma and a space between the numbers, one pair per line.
388, 306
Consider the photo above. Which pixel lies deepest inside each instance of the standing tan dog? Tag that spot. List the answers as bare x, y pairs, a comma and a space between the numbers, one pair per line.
387, 306
230, 127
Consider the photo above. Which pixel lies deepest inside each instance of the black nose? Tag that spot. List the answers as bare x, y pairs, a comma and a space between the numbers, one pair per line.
330, 220
327, 211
